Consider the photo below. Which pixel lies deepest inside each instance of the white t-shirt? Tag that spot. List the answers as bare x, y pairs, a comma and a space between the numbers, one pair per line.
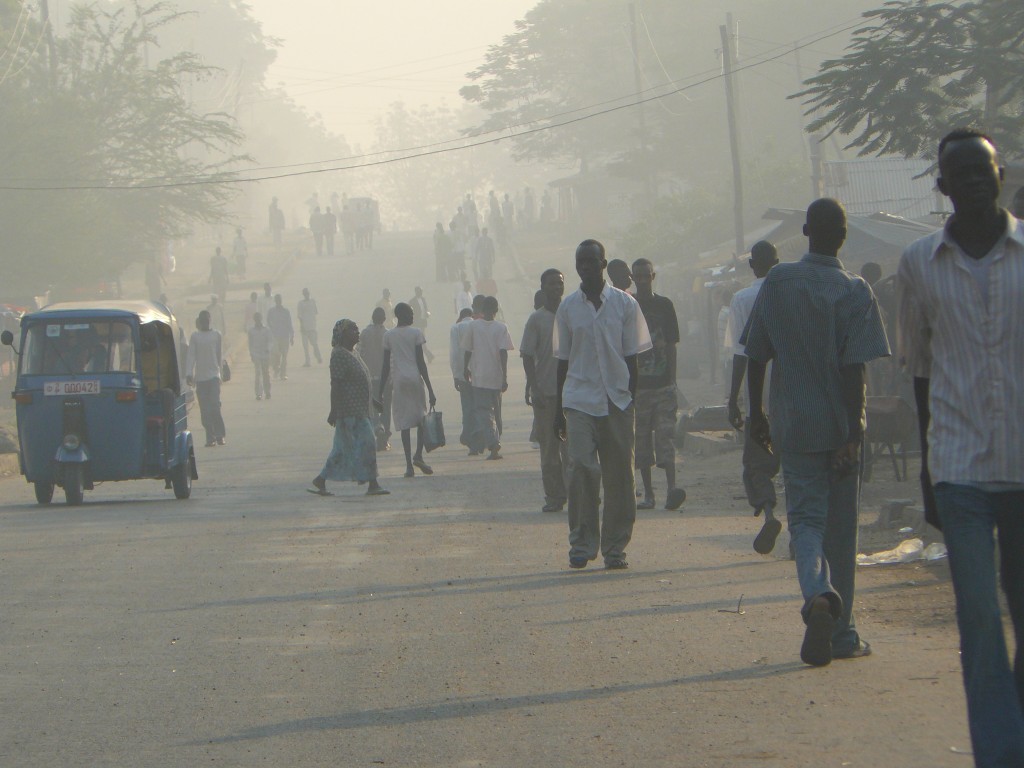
485, 339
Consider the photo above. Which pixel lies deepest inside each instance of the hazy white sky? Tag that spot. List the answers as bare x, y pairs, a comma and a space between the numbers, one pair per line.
349, 60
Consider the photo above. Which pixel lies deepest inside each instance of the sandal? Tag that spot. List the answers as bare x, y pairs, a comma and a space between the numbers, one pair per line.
647, 503
378, 492
423, 466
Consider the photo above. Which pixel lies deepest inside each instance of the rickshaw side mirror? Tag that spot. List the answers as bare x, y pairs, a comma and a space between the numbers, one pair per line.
7, 339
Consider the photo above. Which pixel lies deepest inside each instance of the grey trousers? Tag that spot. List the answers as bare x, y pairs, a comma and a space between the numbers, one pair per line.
554, 454
759, 471
601, 458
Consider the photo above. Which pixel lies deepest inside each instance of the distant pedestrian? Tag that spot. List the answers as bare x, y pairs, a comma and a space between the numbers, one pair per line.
486, 345
485, 255
457, 363
261, 342
353, 455
329, 224
216, 310
404, 362
275, 218
279, 320
388, 307
820, 325
599, 331
250, 311
541, 368
371, 350
961, 310
203, 363
240, 252
759, 466
316, 227
219, 274
306, 312
421, 317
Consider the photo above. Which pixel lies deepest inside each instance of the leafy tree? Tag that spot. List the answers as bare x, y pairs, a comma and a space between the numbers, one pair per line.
102, 152
919, 69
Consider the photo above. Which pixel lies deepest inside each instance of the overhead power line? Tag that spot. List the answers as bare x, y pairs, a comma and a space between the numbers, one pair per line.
428, 150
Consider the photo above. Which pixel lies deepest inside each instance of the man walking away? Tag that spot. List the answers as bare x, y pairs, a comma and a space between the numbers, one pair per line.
541, 369
820, 325
961, 310
307, 326
599, 331
457, 361
260, 345
279, 320
759, 466
202, 370
656, 398
487, 344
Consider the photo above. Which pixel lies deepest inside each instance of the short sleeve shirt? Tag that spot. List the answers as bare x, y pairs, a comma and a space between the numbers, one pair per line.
653, 365
812, 318
486, 339
537, 343
402, 342
596, 342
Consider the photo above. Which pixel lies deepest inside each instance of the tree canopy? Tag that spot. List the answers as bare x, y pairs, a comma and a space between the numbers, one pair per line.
104, 157
918, 69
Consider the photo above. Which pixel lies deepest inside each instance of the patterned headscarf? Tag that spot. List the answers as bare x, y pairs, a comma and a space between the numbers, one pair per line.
339, 329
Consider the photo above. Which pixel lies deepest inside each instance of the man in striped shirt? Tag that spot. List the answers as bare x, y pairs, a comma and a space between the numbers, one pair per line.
820, 325
961, 311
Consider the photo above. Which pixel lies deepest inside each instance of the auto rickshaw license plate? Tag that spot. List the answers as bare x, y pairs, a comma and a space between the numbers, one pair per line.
71, 388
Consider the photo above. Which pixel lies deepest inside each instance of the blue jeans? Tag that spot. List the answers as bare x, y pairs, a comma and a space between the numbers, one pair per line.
823, 508
995, 695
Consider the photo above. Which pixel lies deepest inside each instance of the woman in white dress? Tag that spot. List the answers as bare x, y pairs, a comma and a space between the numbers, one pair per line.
403, 361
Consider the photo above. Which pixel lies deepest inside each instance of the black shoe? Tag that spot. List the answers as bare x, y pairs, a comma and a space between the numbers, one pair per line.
817, 646
675, 499
578, 562
616, 564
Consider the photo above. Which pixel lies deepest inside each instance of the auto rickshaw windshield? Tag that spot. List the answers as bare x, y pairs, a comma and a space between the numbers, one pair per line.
72, 347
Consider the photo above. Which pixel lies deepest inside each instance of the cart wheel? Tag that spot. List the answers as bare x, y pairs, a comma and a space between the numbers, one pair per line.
74, 484
182, 478
44, 492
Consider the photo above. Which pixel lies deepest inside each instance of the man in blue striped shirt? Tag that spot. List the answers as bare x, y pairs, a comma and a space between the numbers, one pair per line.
820, 325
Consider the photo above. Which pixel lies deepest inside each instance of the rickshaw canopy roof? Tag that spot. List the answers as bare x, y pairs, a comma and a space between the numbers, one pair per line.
144, 311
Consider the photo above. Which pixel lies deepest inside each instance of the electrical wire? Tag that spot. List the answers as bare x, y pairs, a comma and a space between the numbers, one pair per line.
425, 150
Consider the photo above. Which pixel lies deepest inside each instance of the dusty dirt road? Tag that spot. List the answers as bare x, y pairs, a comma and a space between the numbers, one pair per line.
257, 624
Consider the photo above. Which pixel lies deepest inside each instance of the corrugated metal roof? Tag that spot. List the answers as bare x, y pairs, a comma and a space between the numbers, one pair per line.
892, 184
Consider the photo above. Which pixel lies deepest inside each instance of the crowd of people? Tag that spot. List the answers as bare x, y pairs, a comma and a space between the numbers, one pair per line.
600, 367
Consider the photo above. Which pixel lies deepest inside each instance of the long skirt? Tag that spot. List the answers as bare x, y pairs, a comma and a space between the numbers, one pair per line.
354, 452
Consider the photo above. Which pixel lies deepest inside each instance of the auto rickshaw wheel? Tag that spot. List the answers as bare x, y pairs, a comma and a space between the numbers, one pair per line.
44, 492
182, 478
74, 484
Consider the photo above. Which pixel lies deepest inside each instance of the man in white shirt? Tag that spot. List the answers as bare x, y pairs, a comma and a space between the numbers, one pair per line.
457, 362
759, 466
961, 310
599, 331
202, 370
487, 344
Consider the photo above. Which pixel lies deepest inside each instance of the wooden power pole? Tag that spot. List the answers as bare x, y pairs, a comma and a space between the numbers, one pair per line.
646, 169
734, 142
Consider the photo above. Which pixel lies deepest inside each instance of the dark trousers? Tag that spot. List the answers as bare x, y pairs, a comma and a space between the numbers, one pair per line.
208, 395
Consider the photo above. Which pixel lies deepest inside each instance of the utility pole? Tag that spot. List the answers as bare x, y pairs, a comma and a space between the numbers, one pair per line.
641, 117
812, 146
51, 46
734, 143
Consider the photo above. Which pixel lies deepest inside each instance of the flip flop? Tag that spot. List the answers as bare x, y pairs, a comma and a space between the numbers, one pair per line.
378, 492
318, 492
645, 504
423, 466
764, 542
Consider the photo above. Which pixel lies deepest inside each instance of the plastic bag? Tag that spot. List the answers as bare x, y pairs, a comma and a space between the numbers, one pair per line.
433, 430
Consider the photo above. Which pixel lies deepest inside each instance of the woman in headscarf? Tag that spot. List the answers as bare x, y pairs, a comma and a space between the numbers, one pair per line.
354, 453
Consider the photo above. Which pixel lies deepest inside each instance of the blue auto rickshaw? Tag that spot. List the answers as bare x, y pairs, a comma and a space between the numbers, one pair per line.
99, 397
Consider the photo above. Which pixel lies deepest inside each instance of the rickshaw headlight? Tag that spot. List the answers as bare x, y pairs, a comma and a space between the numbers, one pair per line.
71, 442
